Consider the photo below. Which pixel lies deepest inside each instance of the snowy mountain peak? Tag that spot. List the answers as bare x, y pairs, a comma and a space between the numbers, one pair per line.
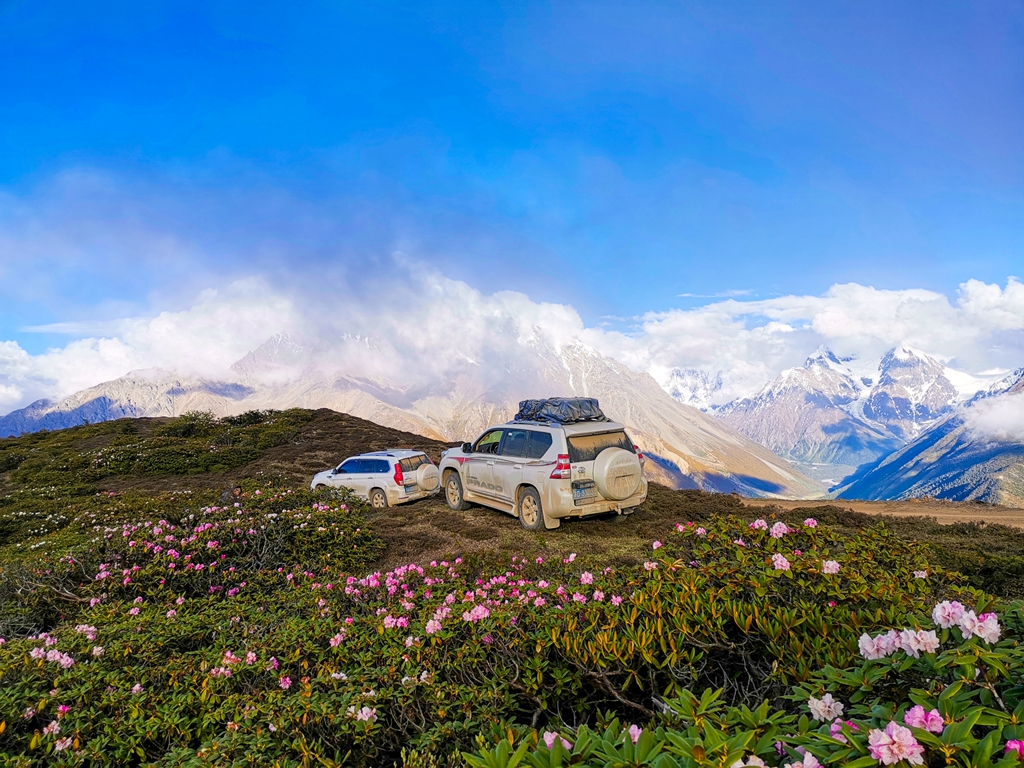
826, 357
694, 387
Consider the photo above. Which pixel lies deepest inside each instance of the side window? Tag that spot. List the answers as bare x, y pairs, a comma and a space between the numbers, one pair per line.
350, 467
489, 442
378, 466
515, 442
539, 444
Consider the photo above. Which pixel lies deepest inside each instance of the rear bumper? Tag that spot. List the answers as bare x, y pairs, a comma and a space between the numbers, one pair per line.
402, 497
559, 504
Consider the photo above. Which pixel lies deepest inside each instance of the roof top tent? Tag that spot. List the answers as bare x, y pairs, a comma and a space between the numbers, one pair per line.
561, 410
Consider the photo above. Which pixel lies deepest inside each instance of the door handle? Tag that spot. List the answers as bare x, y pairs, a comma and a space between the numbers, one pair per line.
490, 463
517, 466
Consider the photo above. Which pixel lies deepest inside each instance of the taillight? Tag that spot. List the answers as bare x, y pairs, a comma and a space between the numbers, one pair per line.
562, 470
639, 454
399, 477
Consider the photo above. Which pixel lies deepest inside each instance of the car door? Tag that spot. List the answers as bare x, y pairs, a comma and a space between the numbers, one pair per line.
351, 475
508, 466
480, 464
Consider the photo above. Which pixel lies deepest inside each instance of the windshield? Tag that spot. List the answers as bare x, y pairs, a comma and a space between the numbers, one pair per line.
588, 447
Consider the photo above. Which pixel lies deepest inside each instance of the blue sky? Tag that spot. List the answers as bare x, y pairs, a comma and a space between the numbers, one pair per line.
609, 156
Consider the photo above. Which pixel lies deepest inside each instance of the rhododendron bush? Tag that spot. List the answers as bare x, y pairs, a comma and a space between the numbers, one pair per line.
959, 702
261, 633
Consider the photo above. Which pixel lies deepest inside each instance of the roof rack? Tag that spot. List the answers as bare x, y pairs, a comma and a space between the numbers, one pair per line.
560, 410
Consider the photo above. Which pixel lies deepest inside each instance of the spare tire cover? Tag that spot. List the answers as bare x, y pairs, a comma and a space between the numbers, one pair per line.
427, 477
617, 473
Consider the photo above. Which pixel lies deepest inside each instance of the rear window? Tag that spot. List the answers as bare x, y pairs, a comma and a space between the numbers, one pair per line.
587, 447
412, 463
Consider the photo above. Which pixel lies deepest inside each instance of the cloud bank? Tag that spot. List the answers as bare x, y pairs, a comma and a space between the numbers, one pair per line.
1000, 419
416, 329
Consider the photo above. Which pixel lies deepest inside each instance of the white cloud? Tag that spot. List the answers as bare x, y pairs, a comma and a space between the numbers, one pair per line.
417, 328
203, 340
1000, 418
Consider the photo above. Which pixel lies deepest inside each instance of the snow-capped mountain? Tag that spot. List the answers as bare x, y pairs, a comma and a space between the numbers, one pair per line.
840, 411
977, 453
810, 414
694, 387
687, 448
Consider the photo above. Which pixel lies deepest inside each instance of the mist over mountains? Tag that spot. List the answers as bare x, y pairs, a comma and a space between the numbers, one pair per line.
435, 356
687, 448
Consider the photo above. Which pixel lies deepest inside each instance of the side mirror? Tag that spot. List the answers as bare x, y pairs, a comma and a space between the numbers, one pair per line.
334, 471
467, 447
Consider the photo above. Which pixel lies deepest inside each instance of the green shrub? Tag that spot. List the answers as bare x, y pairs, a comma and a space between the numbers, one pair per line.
352, 669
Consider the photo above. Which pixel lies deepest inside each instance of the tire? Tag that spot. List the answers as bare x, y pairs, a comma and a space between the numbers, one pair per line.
427, 478
378, 499
617, 474
529, 510
453, 492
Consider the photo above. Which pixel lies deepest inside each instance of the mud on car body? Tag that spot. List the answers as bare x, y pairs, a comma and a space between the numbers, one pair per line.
547, 467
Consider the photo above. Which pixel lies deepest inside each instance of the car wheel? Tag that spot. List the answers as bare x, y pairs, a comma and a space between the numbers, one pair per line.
453, 492
378, 499
531, 515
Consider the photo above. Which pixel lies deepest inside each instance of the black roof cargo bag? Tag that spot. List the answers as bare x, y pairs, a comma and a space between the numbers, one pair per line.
561, 410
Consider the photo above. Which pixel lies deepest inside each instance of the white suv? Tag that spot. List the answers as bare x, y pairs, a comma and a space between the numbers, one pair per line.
544, 471
385, 478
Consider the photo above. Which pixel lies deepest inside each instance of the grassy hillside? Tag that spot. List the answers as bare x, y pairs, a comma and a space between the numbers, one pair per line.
154, 463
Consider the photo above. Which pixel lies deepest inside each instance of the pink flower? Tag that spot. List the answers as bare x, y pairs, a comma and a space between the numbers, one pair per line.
137, 689
649, 566
616, 600
759, 525
809, 761
634, 733
550, 737
701, 532
62, 710
947, 614
367, 714
586, 578
985, 626
810, 522
337, 639
779, 562
836, 729
97, 651
830, 567
250, 658
61, 744
37, 653
1016, 745
920, 574
916, 717
870, 647
779, 530
285, 682
52, 729
171, 613
927, 641
739, 542
134, 612
893, 744
656, 545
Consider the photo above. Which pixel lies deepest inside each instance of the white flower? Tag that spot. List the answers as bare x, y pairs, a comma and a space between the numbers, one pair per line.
825, 709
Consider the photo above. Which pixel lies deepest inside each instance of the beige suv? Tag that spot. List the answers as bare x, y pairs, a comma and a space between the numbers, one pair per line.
545, 471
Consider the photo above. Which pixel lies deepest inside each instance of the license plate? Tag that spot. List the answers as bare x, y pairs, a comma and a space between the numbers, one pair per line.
584, 493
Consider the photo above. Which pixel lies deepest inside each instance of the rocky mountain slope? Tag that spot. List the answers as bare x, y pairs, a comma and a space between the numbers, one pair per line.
688, 448
839, 411
976, 454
